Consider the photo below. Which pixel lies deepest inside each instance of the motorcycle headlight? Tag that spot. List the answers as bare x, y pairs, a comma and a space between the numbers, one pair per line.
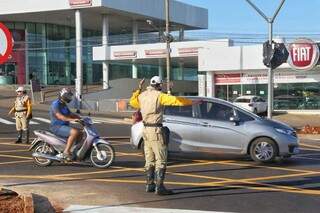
286, 131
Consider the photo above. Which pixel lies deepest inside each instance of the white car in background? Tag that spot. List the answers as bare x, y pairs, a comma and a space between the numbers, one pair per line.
255, 104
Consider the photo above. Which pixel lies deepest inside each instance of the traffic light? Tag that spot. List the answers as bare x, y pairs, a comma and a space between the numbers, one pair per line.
274, 57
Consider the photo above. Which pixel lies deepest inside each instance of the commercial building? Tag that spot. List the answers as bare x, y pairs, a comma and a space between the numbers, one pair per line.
45, 36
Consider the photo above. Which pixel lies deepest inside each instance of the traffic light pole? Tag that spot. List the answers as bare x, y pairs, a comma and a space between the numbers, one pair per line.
270, 71
168, 45
270, 76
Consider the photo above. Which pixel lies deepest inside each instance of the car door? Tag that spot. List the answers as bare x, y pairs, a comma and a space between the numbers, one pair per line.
184, 127
217, 132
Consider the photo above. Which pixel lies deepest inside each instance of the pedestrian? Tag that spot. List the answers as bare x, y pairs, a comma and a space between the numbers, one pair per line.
151, 104
23, 113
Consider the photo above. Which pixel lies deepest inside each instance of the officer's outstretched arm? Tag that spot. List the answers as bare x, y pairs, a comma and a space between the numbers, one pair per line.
169, 100
134, 101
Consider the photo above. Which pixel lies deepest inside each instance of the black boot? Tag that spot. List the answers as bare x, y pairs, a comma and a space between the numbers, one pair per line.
160, 188
27, 136
150, 185
19, 139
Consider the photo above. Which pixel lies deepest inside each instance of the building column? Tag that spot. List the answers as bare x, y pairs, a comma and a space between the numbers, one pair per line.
160, 70
181, 34
202, 85
105, 40
135, 32
210, 85
180, 72
79, 71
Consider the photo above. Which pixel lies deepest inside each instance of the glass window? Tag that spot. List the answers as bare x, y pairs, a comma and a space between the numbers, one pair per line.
184, 111
216, 111
243, 116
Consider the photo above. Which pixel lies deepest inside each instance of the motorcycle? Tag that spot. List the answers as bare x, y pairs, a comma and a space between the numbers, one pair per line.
46, 146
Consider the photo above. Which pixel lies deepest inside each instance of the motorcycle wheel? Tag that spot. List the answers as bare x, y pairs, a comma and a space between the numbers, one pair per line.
44, 149
105, 158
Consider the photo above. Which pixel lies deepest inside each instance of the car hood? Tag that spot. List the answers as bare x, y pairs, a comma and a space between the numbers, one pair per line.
275, 124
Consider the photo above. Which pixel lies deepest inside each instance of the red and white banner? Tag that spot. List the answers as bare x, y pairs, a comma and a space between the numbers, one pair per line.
227, 78
188, 51
155, 53
125, 54
80, 3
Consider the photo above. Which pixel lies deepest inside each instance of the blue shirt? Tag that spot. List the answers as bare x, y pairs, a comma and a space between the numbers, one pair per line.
58, 106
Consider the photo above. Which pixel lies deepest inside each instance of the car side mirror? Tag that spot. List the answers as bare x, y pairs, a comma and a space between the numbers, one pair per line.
235, 120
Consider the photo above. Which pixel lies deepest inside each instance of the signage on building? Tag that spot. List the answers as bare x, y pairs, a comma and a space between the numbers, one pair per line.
188, 51
6, 43
125, 54
304, 54
80, 3
154, 53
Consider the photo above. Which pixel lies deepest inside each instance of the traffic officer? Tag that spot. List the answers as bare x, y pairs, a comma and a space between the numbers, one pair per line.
23, 113
151, 103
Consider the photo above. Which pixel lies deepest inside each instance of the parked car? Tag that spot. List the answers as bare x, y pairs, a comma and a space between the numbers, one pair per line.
252, 103
216, 125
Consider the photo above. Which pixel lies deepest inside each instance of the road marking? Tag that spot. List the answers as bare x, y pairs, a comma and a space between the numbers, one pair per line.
6, 121
14, 156
15, 162
30, 122
311, 146
19, 150
42, 119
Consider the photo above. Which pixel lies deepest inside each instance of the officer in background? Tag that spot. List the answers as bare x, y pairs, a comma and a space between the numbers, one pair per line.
151, 104
23, 113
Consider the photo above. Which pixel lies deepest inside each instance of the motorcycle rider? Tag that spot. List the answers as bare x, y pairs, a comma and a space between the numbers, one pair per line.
151, 103
61, 117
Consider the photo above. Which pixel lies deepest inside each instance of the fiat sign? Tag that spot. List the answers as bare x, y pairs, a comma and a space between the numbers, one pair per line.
304, 54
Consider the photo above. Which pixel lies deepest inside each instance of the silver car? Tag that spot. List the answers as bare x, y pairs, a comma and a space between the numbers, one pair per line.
216, 125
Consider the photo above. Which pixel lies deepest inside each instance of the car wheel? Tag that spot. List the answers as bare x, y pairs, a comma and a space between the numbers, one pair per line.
263, 150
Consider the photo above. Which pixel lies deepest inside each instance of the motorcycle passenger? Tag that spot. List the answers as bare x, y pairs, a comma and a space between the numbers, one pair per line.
61, 117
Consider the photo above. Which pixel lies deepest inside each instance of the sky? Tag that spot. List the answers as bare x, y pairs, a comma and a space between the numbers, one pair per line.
237, 16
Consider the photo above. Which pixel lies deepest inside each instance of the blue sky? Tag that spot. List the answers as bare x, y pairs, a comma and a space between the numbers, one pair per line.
237, 16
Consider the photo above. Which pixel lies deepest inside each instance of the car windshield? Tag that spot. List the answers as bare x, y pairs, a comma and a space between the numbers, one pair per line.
242, 100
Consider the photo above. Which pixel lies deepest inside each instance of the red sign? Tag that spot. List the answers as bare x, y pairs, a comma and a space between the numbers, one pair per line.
77, 3
5, 43
304, 54
125, 54
156, 53
227, 78
189, 51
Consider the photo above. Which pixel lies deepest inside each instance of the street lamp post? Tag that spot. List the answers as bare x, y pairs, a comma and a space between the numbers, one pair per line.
270, 71
168, 44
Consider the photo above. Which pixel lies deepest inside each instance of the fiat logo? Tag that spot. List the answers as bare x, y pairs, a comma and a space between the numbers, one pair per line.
304, 54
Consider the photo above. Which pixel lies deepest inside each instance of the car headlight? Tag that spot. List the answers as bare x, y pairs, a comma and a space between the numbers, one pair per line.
286, 131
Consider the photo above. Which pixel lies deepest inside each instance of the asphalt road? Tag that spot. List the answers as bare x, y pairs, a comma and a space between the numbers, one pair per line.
201, 182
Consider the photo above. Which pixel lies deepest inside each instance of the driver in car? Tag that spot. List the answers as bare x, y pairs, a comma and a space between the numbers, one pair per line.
61, 117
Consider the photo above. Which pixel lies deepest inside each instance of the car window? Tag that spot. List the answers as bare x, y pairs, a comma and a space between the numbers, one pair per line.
216, 111
184, 111
242, 100
254, 99
243, 116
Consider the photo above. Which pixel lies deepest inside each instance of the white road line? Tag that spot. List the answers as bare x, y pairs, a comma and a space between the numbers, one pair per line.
31, 122
6, 121
42, 119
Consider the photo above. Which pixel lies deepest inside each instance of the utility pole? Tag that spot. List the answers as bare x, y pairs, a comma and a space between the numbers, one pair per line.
168, 40
270, 71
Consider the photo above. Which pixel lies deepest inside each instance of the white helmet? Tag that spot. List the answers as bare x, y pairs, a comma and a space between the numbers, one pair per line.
20, 89
65, 95
155, 80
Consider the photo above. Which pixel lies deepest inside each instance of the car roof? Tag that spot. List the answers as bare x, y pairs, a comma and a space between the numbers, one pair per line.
247, 96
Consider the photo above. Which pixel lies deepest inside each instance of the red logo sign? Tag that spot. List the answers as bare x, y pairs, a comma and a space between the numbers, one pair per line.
77, 3
5, 43
304, 54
